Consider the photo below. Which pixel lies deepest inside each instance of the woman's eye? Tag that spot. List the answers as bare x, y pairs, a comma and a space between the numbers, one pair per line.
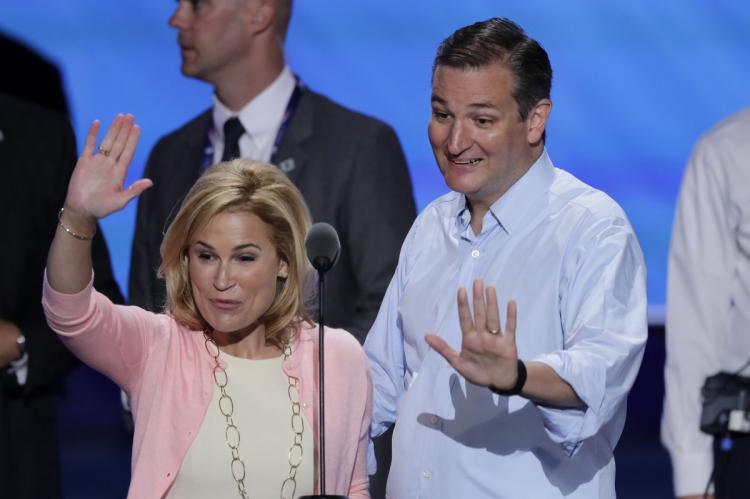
246, 258
204, 256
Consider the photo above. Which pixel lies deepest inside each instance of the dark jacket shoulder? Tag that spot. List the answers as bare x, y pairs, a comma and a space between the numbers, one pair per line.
191, 135
338, 119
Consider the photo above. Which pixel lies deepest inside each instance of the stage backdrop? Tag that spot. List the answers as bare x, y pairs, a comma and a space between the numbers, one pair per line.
635, 83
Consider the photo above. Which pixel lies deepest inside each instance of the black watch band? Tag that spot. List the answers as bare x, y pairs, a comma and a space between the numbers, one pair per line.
520, 381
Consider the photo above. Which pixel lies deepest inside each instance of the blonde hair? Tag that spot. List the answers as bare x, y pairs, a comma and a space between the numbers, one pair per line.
253, 187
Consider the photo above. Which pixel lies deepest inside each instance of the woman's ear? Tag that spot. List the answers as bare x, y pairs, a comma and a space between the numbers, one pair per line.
283, 272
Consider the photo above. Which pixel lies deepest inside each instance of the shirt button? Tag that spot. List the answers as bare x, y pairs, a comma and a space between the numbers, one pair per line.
427, 474
475, 254
304, 404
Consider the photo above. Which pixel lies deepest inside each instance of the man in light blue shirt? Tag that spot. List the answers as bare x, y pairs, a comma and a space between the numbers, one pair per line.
532, 408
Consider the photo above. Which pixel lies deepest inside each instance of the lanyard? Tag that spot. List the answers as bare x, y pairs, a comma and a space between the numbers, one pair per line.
291, 107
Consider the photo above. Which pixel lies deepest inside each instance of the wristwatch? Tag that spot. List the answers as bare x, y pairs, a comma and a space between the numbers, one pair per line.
21, 344
520, 382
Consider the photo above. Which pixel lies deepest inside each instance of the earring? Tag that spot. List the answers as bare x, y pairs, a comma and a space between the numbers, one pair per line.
283, 272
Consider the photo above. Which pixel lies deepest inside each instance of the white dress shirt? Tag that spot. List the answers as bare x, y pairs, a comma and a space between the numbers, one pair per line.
261, 118
708, 292
567, 254
20, 368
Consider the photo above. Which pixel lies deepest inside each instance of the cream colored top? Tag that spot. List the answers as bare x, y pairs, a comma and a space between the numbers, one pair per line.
262, 413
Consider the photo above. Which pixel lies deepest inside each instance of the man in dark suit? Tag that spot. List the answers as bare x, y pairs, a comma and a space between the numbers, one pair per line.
350, 168
37, 156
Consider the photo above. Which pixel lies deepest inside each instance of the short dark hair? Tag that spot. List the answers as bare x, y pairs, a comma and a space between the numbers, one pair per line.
500, 39
283, 16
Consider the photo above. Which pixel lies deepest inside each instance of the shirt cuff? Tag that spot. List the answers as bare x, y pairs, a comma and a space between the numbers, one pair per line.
20, 368
570, 426
372, 462
691, 472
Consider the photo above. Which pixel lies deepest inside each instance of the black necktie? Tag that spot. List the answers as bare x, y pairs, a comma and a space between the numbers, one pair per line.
233, 130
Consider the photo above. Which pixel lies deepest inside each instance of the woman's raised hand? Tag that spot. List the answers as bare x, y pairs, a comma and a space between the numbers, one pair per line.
96, 188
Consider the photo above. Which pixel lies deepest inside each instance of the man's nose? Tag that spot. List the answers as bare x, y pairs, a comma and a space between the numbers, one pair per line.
459, 138
179, 16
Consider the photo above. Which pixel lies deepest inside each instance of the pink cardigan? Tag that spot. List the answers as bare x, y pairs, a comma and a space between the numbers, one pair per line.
167, 372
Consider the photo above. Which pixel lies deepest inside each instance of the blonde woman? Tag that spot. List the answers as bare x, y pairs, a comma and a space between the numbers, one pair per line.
223, 385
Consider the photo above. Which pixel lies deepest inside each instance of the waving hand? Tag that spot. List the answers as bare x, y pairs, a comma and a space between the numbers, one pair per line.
488, 354
96, 188
489, 357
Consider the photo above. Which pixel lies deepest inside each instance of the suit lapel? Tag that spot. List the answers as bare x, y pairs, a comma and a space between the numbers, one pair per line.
186, 161
291, 156
193, 151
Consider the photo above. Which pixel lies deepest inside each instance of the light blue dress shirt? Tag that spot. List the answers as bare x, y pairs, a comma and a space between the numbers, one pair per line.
569, 257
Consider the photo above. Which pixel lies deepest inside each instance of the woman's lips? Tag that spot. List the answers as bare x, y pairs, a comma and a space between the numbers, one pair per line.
225, 304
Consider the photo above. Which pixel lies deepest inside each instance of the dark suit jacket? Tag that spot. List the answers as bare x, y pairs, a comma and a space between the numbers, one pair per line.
352, 173
37, 156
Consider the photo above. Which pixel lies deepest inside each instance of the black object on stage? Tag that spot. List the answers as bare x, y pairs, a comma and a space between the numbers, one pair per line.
323, 248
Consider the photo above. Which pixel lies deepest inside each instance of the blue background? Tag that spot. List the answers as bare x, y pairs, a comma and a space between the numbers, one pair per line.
635, 83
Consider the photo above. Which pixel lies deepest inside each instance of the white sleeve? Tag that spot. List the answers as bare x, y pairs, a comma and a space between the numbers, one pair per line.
698, 299
384, 347
604, 319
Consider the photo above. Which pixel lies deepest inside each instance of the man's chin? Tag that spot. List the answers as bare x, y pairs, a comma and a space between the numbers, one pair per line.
187, 70
460, 182
190, 69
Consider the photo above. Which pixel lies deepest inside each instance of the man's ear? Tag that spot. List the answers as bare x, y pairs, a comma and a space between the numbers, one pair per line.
536, 121
261, 15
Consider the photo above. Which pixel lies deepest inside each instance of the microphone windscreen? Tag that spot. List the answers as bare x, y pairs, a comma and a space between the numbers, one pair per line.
323, 246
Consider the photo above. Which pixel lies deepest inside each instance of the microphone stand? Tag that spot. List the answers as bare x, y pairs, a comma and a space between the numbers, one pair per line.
321, 397
321, 385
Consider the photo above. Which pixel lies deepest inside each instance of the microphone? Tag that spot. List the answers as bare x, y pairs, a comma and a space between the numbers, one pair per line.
323, 248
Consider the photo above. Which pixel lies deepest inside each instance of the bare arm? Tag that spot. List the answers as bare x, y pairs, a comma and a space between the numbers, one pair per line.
489, 357
95, 190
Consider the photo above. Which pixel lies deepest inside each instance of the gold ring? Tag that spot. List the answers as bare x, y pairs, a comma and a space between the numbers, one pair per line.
493, 331
104, 152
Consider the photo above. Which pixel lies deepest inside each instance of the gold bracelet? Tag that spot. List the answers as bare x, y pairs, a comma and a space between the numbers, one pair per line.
78, 236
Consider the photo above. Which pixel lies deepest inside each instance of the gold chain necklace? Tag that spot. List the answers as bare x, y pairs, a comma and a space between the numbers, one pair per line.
232, 433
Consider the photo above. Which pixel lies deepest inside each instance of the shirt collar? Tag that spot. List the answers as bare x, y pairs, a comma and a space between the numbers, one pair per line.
512, 208
263, 114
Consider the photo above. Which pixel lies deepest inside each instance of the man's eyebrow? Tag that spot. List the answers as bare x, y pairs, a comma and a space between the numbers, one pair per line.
436, 99
483, 105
